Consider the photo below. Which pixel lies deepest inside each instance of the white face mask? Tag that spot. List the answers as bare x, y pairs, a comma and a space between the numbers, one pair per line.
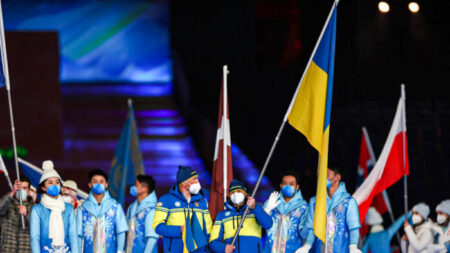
67, 199
441, 219
195, 188
416, 219
237, 198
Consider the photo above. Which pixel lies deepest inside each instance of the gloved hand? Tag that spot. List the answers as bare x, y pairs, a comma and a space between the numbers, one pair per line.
272, 202
435, 248
304, 249
354, 249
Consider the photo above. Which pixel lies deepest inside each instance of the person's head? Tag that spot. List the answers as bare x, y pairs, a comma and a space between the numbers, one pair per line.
98, 181
24, 192
32, 193
144, 185
373, 217
335, 174
420, 213
69, 191
187, 180
237, 192
289, 183
443, 212
50, 182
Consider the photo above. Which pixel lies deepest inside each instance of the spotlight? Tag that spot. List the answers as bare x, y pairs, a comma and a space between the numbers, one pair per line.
413, 7
383, 7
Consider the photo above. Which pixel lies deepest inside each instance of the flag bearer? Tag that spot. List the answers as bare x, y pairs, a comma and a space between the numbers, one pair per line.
228, 220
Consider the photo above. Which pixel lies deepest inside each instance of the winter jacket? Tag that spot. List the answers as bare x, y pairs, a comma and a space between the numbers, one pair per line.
289, 219
13, 238
141, 236
170, 216
249, 238
419, 238
442, 242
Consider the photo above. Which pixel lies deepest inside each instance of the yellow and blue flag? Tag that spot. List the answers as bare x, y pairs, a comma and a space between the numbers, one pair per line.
193, 236
311, 110
127, 162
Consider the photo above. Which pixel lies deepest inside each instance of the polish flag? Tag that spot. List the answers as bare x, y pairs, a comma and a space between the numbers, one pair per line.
391, 165
222, 169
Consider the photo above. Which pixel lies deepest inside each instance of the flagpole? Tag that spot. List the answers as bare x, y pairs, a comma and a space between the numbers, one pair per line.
11, 117
2, 165
405, 179
225, 130
285, 119
126, 159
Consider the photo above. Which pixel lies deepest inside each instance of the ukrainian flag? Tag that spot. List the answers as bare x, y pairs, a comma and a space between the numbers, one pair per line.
311, 109
193, 236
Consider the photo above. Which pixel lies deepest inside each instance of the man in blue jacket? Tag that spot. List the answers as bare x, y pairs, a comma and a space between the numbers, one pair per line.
342, 218
141, 236
184, 201
288, 211
228, 220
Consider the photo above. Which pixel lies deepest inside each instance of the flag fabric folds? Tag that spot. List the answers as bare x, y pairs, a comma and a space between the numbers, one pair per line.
127, 162
193, 236
391, 165
5, 171
222, 173
3, 59
310, 113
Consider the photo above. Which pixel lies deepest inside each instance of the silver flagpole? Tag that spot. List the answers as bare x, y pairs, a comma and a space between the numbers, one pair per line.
405, 179
11, 117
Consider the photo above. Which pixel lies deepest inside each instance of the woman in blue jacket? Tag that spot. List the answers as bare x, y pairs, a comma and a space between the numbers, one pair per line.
228, 220
52, 221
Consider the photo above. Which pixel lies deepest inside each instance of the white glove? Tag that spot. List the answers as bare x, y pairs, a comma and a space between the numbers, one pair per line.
354, 249
272, 202
435, 248
304, 249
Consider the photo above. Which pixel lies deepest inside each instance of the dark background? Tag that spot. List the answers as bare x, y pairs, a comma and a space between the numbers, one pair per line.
266, 45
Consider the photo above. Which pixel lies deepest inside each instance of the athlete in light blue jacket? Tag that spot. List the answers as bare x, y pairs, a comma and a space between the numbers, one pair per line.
141, 236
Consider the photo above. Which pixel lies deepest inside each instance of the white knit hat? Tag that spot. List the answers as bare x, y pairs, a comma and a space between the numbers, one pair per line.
32, 188
373, 217
70, 184
444, 206
49, 171
423, 209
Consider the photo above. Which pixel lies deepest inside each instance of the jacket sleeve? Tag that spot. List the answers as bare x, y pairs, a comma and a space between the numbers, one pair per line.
352, 215
35, 231
216, 239
73, 237
396, 225
4, 201
159, 221
301, 229
208, 220
264, 220
149, 231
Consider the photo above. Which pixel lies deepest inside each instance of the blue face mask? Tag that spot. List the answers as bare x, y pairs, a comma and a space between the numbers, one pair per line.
98, 188
53, 190
133, 191
329, 183
288, 191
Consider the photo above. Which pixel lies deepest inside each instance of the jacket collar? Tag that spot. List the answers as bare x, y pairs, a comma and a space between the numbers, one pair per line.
287, 207
92, 206
174, 190
149, 201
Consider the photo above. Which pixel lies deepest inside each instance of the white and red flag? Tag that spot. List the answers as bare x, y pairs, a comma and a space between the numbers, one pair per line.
391, 165
222, 169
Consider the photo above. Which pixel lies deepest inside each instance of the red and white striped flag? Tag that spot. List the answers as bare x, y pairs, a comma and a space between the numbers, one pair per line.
391, 165
222, 168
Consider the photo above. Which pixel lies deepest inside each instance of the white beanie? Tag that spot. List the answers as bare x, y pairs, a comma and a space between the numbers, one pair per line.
423, 209
444, 207
32, 188
49, 171
373, 217
70, 184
